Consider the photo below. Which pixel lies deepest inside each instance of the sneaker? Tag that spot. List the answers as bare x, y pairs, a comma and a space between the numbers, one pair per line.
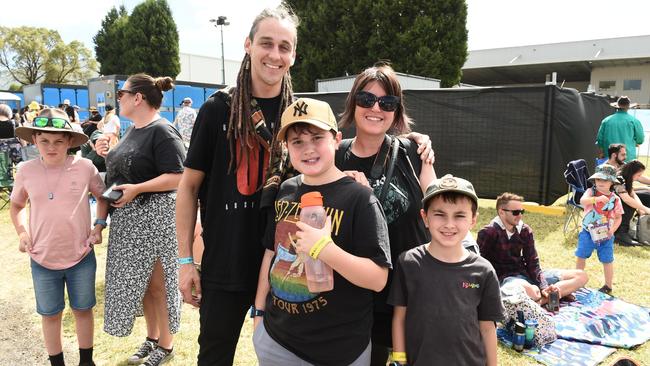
145, 349
159, 356
606, 289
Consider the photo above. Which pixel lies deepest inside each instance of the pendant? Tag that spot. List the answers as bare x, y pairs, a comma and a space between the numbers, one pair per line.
50, 195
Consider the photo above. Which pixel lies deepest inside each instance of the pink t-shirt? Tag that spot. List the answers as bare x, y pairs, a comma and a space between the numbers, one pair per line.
58, 227
601, 212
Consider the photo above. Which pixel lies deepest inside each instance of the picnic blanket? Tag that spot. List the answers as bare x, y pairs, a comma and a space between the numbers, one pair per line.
563, 352
601, 319
591, 328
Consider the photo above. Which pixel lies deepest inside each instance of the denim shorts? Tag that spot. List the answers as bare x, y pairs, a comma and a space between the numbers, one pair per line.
49, 285
552, 276
586, 246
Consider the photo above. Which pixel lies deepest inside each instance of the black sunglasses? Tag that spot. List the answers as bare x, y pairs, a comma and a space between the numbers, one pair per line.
387, 103
120, 93
515, 212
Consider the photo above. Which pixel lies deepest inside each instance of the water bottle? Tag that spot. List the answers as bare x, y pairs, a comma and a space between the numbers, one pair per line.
320, 277
519, 338
531, 325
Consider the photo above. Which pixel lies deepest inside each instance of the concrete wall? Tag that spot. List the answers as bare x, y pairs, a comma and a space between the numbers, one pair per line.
619, 74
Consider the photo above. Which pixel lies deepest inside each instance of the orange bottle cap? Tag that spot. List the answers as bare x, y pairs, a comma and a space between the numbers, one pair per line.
311, 199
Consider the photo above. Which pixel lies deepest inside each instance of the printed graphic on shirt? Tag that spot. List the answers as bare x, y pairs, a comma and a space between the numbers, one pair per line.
396, 202
287, 274
601, 213
467, 284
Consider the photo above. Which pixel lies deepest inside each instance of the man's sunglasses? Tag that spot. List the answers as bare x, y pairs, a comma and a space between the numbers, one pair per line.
387, 103
120, 93
515, 212
50, 122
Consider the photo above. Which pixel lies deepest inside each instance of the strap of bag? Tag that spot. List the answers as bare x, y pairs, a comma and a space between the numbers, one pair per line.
391, 167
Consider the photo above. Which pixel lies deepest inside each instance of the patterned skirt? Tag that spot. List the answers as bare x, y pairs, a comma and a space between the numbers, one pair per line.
141, 233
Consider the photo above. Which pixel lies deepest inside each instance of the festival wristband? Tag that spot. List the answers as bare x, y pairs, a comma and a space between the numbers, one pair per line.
594, 198
318, 246
186, 260
399, 357
101, 222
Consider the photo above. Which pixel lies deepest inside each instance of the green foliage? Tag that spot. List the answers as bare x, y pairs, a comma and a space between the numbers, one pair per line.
152, 40
109, 42
343, 37
15, 87
32, 55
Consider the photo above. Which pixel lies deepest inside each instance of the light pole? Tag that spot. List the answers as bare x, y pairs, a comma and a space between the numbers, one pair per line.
221, 21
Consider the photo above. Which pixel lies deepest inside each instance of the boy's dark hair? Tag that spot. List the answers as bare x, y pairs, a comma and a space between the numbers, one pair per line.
452, 197
614, 149
68, 135
305, 128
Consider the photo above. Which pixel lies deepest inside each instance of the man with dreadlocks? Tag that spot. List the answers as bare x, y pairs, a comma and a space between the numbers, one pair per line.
232, 147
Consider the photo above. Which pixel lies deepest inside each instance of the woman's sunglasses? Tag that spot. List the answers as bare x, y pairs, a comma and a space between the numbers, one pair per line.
387, 103
515, 212
120, 93
50, 122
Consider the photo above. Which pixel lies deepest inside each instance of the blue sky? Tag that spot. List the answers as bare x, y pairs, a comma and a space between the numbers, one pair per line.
491, 23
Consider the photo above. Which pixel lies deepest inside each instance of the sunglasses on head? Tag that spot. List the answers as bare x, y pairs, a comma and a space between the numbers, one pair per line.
515, 212
120, 93
50, 122
387, 103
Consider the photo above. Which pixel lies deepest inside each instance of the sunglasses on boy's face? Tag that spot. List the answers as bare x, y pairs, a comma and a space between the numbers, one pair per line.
387, 103
515, 212
50, 122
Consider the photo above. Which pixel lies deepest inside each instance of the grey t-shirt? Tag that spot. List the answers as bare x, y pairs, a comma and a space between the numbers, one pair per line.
445, 302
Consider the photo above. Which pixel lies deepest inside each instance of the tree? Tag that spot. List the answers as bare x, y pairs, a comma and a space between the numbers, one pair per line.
343, 37
151, 40
109, 42
32, 55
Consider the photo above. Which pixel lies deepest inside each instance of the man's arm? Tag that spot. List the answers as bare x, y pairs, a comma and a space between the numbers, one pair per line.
489, 337
532, 261
186, 207
638, 132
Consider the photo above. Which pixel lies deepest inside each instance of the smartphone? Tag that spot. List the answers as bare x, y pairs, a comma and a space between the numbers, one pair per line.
554, 301
111, 195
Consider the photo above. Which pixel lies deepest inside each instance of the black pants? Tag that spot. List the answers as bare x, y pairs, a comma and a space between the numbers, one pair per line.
628, 212
222, 315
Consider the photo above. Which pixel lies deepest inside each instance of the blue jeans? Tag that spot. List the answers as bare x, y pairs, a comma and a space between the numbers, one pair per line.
49, 285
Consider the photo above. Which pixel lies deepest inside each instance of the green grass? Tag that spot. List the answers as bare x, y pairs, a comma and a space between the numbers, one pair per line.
631, 280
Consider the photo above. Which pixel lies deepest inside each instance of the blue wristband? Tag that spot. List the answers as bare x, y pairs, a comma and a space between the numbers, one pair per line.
101, 222
186, 260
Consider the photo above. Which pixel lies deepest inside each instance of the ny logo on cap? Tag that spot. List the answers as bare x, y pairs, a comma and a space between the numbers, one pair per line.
300, 108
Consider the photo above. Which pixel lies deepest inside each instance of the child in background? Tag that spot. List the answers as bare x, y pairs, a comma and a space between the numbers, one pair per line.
446, 299
58, 237
294, 326
602, 216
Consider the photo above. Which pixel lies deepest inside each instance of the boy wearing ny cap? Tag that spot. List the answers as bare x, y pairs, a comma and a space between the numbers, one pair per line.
57, 236
293, 325
446, 299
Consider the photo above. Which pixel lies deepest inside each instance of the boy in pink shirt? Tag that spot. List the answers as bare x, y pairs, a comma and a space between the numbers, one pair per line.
58, 237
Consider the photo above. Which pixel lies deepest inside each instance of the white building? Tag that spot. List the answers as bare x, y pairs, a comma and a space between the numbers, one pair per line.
614, 66
205, 69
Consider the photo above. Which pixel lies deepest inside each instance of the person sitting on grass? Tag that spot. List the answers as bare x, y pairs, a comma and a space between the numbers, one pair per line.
58, 237
602, 216
446, 299
509, 245
293, 325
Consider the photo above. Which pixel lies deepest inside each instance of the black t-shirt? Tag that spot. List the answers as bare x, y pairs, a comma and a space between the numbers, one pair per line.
402, 203
7, 129
445, 302
145, 153
333, 327
232, 222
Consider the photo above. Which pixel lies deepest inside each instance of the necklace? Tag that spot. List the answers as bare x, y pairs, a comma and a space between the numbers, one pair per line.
50, 194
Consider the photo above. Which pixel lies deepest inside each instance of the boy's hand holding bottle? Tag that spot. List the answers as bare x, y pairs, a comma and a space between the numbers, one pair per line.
308, 235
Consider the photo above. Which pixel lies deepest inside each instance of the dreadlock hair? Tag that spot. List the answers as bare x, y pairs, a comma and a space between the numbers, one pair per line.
239, 126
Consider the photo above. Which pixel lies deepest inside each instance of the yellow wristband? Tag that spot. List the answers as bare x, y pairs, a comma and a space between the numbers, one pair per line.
399, 357
318, 246
594, 198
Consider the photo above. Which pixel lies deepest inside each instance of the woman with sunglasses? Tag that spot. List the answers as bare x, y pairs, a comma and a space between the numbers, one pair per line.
141, 264
392, 167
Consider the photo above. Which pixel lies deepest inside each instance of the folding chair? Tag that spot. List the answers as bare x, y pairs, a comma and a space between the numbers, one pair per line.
576, 175
9, 156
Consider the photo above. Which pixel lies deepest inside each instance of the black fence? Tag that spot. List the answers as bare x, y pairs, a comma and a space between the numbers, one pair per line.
516, 139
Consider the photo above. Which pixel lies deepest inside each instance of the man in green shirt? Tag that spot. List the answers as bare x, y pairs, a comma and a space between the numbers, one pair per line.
622, 128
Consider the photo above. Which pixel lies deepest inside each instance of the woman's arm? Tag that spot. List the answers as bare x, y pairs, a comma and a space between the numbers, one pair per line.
633, 201
427, 175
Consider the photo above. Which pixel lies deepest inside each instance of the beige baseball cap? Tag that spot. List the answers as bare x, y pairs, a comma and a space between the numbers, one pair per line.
307, 110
